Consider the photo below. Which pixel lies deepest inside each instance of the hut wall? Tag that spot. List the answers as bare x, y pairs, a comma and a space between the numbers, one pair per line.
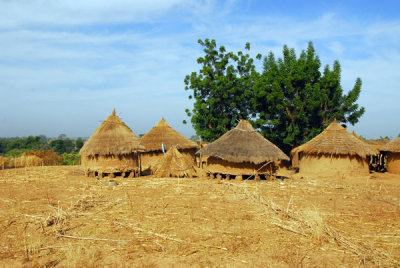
149, 159
393, 163
217, 165
111, 163
189, 154
325, 165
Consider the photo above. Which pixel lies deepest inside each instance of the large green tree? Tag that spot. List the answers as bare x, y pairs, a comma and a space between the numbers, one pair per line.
222, 90
290, 100
294, 101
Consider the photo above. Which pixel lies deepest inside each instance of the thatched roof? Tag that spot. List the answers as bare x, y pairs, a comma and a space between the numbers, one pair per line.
112, 137
378, 144
336, 140
393, 146
243, 144
162, 133
174, 164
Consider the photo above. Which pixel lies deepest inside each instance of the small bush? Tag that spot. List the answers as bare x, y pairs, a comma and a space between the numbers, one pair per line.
16, 152
71, 159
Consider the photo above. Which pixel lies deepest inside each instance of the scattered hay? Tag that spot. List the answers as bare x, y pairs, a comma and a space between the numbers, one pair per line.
310, 223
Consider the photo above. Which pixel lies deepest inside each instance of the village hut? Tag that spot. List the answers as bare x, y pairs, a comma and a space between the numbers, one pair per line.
294, 155
242, 152
378, 144
335, 151
378, 161
160, 139
113, 149
174, 164
393, 156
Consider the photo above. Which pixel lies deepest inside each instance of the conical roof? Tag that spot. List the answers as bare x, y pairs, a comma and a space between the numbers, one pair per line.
174, 164
392, 146
336, 140
162, 133
243, 144
112, 137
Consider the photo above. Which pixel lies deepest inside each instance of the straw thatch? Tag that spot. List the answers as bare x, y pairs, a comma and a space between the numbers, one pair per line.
174, 164
243, 144
336, 140
392, 146
112, 137
162, 133
378, 144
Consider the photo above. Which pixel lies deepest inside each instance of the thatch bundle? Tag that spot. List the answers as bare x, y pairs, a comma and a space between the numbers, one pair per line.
243, 144
241, 151
3, 162
163, 135
48, 157
20, 161
174, 164
393, 156
335, 149
112, 148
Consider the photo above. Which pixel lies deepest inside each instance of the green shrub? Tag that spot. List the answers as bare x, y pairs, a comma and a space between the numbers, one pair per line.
71, 159
16, 152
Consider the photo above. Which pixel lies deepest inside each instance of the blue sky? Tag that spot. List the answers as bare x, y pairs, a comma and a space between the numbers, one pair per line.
64, 65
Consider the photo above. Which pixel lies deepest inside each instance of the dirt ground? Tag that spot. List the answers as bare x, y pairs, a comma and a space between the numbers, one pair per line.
55, 216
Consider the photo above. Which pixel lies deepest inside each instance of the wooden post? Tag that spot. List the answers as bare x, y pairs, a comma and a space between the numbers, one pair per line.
239, 177
112, 175
131, 174
257, 177
140, 165
101, 175
228, 177
219, 177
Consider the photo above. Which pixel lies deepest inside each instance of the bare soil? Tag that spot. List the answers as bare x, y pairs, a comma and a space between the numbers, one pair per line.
55, 216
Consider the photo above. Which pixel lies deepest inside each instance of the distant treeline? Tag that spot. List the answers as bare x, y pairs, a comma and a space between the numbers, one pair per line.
66, 148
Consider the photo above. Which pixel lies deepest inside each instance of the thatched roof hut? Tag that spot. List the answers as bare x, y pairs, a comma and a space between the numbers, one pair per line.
393, 155
112, 148
174, 164
241, 151
378, 144
334, 151
162, 135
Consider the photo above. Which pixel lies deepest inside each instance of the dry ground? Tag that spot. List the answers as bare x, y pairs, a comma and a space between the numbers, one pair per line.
55, 216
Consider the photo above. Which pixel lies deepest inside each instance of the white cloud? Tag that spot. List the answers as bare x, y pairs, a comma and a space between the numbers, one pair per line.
27, 13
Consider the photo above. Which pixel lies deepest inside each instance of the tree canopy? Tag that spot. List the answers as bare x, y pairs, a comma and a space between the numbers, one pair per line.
290, 100
222, 90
